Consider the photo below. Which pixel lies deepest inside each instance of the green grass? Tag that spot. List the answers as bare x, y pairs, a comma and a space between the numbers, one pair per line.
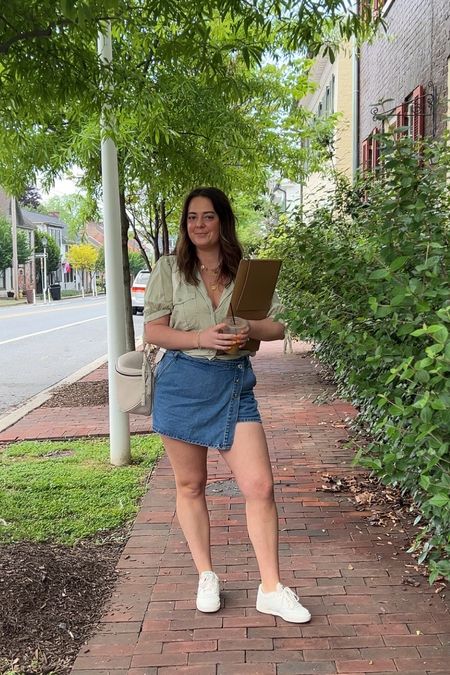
10, 302
66, 491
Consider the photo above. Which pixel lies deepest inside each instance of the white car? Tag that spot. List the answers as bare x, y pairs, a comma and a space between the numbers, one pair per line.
138, 290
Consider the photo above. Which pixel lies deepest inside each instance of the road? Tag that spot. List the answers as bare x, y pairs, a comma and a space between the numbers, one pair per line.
42, 344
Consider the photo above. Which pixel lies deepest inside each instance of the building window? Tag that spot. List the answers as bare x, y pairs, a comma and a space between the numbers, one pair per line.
371, 152
410, 114
397, 118
333, 88
68, 274
327, 100
2, 279
418, 100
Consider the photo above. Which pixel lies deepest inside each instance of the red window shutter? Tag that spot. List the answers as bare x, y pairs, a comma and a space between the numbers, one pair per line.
375, 158
418, 97
366, 154
400, 113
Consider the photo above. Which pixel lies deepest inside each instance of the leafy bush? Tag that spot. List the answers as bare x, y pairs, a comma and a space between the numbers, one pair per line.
52, 248
367, 279
6, 248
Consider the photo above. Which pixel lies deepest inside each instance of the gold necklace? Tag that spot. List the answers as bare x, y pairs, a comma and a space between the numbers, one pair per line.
210, 269
214, 285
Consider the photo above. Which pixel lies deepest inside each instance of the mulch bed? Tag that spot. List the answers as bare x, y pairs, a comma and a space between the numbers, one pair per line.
79, 394
51, 598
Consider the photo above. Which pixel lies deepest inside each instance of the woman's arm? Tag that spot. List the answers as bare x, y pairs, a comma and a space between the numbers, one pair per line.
158, 332
266, 329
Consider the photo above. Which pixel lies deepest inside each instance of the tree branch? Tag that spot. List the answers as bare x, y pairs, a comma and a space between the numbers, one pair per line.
30, 34
41, 32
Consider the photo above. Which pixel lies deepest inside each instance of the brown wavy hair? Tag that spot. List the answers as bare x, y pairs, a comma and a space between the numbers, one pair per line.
230, 248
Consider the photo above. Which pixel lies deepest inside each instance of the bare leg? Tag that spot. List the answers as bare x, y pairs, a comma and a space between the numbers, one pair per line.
189, 466
249, 461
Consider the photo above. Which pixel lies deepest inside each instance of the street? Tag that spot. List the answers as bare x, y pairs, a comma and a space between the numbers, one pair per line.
42, 344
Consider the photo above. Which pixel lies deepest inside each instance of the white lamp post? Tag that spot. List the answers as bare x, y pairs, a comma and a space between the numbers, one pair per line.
44, 281
119, 428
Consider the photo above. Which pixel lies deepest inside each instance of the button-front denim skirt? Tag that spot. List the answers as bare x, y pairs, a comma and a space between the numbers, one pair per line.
200, 401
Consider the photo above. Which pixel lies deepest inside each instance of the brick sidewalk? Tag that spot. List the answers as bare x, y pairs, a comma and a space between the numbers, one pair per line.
348, 573
69, 422
365, 620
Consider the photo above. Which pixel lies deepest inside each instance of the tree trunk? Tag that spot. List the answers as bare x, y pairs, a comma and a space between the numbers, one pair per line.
157, 229
164, 228
141, 247
124, 225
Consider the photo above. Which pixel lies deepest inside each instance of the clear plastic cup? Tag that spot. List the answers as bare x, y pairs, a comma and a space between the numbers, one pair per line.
234, 326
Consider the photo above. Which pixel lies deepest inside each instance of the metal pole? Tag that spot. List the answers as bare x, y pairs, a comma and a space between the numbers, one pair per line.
44, 281
355, 102
119, 428
15, 261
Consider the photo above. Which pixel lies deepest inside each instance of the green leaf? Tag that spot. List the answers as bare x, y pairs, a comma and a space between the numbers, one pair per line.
398, 299
437, 404
439, 500
379, 274
422, 376
421, 403
434, 350
398, 263
383, 311
425, 482
439, 332
426, 415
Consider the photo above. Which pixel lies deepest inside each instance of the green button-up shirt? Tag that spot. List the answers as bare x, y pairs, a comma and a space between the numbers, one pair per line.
190, 307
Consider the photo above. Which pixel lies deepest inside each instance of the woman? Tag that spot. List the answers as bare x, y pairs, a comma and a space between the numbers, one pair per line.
204, 395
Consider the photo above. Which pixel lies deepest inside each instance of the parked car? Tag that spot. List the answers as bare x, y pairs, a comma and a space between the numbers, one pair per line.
138, 290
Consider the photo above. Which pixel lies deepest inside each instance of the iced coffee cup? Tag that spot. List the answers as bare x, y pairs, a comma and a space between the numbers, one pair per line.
234, 325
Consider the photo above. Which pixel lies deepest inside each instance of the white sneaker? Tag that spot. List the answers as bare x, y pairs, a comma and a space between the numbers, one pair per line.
208, 593
282, 602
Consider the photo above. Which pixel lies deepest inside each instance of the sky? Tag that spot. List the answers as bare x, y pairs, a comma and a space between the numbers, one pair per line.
63, 186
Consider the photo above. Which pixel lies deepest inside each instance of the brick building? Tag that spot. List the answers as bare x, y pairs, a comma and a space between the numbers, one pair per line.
408, 64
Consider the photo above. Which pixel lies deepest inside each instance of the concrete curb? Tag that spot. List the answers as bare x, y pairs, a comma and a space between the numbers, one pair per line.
11, 418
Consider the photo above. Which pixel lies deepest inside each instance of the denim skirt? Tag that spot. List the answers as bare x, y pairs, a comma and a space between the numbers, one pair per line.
200, 401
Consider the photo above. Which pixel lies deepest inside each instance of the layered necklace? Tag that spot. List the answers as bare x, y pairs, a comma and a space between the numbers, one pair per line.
215, 282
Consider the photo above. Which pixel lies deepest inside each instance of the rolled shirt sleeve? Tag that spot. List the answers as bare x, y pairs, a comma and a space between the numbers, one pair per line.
275, 308
158, 300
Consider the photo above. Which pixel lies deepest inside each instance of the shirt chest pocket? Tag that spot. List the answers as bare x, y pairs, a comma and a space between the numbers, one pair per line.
185, 313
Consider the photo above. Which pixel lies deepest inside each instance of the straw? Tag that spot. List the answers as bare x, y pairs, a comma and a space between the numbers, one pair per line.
232, 314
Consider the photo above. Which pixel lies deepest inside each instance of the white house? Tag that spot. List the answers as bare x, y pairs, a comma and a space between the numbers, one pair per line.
26, 272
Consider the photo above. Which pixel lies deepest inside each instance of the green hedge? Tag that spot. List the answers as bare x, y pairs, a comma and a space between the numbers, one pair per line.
366, 278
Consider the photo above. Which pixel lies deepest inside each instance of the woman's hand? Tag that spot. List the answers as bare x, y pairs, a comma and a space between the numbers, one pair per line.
214, 338
243, 336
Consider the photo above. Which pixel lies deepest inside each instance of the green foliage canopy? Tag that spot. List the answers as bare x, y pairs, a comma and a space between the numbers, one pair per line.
50, 74
74, 209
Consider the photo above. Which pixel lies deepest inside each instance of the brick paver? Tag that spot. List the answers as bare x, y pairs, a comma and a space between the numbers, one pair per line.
44, 423
350, 574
